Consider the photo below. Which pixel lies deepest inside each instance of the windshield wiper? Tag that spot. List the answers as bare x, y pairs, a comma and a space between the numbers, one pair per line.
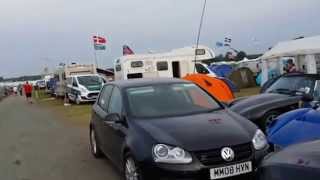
281, 90
286, 91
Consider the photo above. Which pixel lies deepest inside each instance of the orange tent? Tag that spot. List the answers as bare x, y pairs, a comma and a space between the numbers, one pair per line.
216, 87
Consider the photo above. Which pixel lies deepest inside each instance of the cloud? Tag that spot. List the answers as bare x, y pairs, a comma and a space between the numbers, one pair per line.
60, 30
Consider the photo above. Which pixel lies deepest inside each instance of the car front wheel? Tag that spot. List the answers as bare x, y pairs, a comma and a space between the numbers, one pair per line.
131, 170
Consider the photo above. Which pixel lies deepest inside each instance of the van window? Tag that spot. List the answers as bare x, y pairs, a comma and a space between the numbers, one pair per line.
74, 82
162, 66
136, 64
118, 67
201, 69
134, 76
200, 52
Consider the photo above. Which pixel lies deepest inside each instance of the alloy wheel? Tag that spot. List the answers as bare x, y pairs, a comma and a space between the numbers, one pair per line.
131, 172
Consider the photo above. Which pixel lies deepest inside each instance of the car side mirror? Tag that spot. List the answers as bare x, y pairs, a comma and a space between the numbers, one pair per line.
114, 117
306, 98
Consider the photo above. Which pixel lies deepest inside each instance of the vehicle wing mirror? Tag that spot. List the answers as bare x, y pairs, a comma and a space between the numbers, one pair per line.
114, 117
307, 98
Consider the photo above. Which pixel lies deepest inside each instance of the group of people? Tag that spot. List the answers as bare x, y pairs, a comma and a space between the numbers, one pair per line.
26, 88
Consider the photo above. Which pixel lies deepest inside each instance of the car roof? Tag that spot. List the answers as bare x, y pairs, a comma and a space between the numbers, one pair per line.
317, 76
146, 82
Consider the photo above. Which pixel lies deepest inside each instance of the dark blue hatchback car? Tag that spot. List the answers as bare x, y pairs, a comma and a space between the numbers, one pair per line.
172, 129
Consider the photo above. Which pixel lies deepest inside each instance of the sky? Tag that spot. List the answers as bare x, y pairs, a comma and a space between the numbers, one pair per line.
39, 33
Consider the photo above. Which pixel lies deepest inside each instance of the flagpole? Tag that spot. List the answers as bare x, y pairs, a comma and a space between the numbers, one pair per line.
95, 53
199, 33
95, 57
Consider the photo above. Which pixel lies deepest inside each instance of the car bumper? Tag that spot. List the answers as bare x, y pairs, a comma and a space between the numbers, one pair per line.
87, 99
196, 170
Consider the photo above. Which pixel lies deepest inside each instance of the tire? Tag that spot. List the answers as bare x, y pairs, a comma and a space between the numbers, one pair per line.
94, 145
77, 100
130, 169
268, 118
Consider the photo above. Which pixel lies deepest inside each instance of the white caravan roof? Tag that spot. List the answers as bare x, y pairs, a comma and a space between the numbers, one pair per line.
309, 45
187, 51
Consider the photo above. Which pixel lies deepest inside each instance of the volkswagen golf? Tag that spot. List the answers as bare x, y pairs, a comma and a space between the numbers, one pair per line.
172, 129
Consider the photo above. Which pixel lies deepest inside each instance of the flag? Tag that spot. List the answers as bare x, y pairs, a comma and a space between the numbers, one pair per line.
227, 40
127, 50
99, 43
219, 44
99, 47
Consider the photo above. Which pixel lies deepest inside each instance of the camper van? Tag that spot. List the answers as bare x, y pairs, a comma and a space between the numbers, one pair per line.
84, 88
176, 63
63, 72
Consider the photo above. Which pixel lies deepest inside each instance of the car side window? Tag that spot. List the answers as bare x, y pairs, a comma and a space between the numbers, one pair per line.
115, 105
104, 97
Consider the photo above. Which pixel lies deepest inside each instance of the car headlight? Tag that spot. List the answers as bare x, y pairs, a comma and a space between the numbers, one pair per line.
172, 155
83, 90
259, 140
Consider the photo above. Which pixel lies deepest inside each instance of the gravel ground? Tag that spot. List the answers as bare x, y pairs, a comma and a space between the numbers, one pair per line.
37, 145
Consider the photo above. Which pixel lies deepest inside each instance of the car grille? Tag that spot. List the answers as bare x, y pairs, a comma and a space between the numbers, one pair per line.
213, 157
90, 95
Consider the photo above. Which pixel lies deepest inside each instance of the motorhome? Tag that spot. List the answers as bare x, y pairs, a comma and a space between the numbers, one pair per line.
66, 71
176, 63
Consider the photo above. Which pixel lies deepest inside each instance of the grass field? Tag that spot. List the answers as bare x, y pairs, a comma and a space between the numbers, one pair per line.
80, 114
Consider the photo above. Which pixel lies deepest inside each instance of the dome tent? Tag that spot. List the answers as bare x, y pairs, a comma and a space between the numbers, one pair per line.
243, 78
214, 86
222, 70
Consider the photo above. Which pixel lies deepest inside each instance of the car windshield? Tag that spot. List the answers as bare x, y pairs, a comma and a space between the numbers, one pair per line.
290, 85
169, 100
89, 80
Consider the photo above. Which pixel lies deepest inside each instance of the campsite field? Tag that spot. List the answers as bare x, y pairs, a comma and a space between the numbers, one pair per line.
80, 114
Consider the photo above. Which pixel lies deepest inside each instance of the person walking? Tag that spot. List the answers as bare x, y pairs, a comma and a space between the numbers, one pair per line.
28, 91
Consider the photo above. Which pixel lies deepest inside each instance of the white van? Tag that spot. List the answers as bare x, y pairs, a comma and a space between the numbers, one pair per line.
176, 63
84, 88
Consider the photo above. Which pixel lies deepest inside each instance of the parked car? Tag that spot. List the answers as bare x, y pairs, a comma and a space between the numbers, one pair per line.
294, 127
171, 128
84, 88
297, 162
41, 84
281, 95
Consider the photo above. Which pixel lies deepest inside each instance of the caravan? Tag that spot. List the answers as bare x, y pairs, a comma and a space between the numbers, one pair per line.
176, 63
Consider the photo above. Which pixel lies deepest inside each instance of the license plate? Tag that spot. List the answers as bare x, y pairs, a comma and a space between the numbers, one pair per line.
229, 171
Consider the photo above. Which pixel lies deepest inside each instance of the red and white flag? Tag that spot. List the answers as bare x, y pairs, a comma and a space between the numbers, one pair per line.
98, 40
127, 50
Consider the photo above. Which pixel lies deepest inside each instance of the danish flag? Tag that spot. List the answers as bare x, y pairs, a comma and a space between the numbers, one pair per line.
99, 40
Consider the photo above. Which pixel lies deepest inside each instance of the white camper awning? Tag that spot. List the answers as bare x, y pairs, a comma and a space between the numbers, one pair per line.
310, 45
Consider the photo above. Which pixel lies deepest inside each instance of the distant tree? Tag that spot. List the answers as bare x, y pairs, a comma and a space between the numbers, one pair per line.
1, 79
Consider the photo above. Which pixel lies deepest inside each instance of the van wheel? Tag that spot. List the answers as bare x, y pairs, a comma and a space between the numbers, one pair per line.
77, 100
130, 168
94, 146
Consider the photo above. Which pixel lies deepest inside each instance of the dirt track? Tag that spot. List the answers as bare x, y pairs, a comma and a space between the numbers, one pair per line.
35, 145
